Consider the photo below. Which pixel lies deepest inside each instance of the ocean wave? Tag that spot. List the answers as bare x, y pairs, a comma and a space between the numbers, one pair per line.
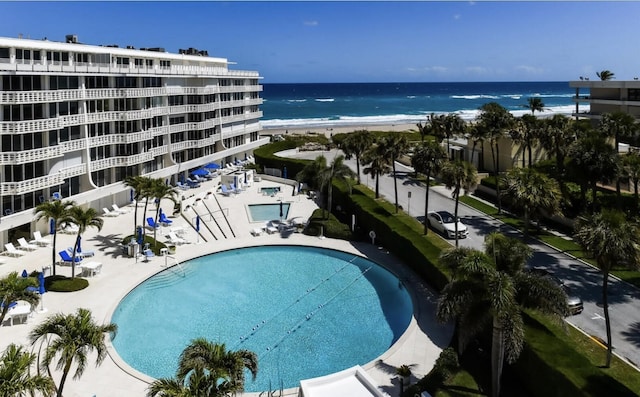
512, 96
324, 99
296, 100
393, 119
553, 95
411, 96
480, 96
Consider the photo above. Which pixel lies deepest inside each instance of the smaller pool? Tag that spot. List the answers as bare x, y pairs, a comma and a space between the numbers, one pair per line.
267, 212
270, 191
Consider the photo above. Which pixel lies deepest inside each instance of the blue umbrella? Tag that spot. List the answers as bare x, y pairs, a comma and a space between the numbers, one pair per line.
41, 289
131, 195
281, 211
140, 238
212, 166
78, 247
200, 172
25, 274
160, 215
52, 226
197, 223
284, 173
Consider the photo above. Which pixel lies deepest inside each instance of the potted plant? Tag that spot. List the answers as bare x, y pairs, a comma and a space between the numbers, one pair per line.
171, 248
405, 373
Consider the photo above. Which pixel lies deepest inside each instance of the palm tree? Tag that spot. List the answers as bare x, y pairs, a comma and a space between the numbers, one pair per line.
311, 173
428, 158
355, 144
140, 186
478, 133
459, 175
497, 120
557, 134
611, 240
526, 134
395, 146
491, 289
618, 125
533, 192
605, 75
207, 369
452, 125
631, 164
83, 219
15, 375
436, 126
378, 164
535, 104
55, 210
160, 191
71, 338
337, 170
13, 288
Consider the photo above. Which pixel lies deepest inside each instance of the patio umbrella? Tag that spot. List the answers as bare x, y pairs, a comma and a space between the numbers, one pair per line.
197, 223
200, 172
52, 226
212, 166
139, 240
281, 212
79, 247
131, 195
284, 173
41, 290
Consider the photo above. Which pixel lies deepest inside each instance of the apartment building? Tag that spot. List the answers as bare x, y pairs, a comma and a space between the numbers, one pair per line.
76, 119
606, 97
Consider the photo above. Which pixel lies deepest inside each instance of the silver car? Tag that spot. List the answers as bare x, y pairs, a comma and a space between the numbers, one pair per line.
443, 222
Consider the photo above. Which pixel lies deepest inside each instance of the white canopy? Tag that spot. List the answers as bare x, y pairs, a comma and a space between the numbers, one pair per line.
352, 382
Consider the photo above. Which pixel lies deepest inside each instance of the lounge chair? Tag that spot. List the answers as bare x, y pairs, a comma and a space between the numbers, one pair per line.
56, 196
12, 251
82, 254
120, 210
270, 228
67, 259
70, 228
106, 212
256, 232
164, 220
234, 188
174, 239
182, 186
148, 254
39, 240
26, 246
152, 224
225, 191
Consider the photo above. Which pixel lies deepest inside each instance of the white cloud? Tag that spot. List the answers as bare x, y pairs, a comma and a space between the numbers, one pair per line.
529, 69
476, 70
428, 69
311, 23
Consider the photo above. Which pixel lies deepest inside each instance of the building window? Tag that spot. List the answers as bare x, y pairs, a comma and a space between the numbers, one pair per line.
165, 64
4, 53
633, 94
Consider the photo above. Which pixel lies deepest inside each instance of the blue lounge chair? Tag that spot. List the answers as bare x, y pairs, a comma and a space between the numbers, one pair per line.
152, 224
67, 259
225, 191
164, 220
148, 254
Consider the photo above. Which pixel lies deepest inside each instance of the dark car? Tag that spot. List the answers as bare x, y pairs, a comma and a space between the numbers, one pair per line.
574, 302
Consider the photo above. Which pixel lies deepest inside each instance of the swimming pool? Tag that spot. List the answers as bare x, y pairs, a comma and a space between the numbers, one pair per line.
270, 191
267, 212
305, 312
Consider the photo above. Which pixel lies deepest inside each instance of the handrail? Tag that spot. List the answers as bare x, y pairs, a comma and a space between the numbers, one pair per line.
224, 215
166, 257
212, 217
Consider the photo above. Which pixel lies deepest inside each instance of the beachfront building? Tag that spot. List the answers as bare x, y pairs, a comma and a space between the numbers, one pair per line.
77, 119
606, 97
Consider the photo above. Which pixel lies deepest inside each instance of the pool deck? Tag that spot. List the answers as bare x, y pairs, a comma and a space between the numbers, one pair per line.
418, 347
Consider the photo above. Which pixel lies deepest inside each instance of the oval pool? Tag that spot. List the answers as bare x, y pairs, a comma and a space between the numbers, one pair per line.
305, 312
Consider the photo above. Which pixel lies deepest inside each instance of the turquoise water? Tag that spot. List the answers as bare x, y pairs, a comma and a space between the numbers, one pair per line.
268, 212
305, 312
269, 190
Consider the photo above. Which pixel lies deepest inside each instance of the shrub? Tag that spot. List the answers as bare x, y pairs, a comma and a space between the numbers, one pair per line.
331, 227
60, 283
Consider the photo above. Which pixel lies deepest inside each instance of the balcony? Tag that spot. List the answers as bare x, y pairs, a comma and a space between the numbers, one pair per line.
121, 161
30, 156
43, 182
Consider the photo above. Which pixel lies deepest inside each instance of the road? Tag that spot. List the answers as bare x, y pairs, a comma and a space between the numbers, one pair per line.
584, 280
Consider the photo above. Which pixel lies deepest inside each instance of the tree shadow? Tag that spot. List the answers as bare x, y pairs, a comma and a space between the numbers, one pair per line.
632, 334
109, 245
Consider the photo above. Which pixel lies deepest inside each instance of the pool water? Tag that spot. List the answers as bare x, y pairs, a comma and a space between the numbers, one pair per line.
270, 191
267, 212
304, 311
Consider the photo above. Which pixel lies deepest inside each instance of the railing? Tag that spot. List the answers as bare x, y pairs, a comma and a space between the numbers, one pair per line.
29, 156
176, 263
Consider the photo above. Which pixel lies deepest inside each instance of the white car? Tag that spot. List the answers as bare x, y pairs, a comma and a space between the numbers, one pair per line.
443, 222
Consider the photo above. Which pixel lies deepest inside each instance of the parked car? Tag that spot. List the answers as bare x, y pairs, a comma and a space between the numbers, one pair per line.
443, 222
574, 302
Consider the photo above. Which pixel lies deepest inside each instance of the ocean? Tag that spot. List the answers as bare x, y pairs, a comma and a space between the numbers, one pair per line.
344, 104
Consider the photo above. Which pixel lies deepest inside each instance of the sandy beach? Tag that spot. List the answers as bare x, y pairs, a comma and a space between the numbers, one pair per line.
329, 131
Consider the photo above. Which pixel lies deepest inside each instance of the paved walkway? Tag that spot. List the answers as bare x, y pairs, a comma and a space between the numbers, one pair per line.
418, 347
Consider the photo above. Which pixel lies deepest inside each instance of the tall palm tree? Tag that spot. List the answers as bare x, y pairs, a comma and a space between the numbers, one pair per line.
15, 374
84, 219
526, 133
207, 369
477, 133
336, 170
140, 186
557, 134
533, 192
160, 190
497, 120
611, 240
311, 173
71, 338
631, 165
355, 144
13, 288
535, 104
436, 126
55, 210
490, 289
618, 125
395, 146
459, 175
605, 75
452, 125
428, 158
377, 163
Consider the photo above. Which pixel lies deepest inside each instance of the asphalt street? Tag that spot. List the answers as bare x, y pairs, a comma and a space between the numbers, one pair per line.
584, 280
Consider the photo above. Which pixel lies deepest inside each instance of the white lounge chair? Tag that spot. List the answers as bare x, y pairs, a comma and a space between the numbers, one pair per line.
256, 232
120, 210
174, 239
39, 240
26, 246
106, 212
12, 251
70, 228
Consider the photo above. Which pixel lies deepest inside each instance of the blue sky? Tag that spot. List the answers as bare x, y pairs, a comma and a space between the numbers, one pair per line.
292, 42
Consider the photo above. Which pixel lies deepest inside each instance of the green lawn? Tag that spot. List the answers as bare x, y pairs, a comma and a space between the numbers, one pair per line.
560, 243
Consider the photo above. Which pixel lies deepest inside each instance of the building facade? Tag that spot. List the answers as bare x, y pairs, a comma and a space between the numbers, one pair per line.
76, 119
606, 97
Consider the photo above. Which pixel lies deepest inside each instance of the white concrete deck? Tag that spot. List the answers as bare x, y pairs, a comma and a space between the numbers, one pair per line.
418, 347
